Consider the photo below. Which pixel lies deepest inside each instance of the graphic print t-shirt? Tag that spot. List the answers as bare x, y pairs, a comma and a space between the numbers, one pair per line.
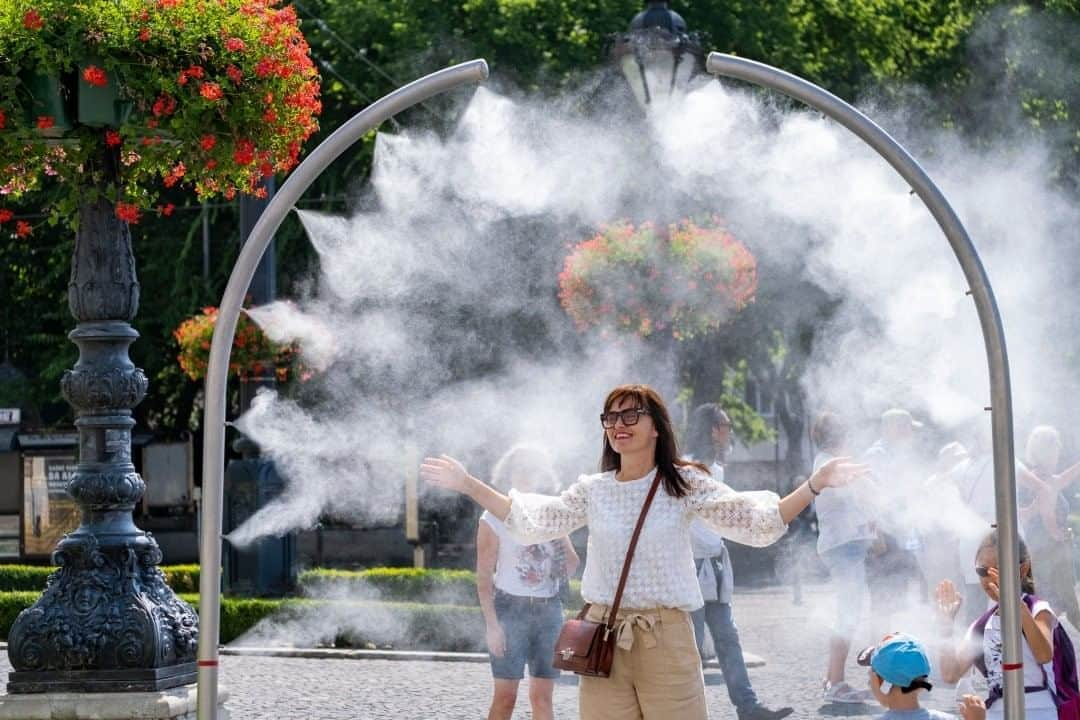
528, 570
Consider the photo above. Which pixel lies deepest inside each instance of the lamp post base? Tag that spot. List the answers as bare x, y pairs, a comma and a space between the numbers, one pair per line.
111, 681
178, 703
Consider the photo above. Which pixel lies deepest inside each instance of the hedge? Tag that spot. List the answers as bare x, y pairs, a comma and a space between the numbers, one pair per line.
27, 578
304, 622
449, 587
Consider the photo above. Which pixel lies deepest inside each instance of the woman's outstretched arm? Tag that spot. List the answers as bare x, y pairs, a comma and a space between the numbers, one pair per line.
447, 473
529, 518
836, 473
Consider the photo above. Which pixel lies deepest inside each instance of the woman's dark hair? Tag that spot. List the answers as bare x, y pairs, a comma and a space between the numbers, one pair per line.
828, 432
990, 542
699, 440
667, 451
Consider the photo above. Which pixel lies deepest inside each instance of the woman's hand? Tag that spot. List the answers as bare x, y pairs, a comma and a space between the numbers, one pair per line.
948, 601
496, 639
972, 707
447, 473
838, 472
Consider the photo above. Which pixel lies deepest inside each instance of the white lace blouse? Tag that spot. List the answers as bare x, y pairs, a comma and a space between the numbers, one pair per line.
662, 573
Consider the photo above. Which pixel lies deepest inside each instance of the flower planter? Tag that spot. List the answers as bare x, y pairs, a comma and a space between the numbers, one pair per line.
46, 100
100, 105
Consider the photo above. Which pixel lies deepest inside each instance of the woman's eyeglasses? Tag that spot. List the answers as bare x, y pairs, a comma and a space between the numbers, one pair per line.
982, 571
628, 417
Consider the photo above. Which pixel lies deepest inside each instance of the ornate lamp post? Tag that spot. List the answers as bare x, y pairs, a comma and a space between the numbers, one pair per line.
108, 621
657, 55
119, 117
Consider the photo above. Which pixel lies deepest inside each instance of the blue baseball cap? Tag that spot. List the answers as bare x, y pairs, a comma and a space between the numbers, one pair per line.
899, 660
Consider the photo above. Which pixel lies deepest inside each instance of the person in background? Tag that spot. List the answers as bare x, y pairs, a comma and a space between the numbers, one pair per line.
1044, 514
940, 532
518, 586
899, 474
845, 534
656, 668
708, 440
973, 479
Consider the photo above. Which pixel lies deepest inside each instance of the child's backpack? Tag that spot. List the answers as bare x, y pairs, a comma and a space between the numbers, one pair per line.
1067, 695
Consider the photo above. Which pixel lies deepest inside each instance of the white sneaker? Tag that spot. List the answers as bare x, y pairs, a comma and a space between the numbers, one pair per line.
842, 693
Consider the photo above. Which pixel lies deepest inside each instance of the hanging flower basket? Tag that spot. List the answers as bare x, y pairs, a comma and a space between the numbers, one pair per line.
681, 280
253, 354
99, 103
212, 95
45, 107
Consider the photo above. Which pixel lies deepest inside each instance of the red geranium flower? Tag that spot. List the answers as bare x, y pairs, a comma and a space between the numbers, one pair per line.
127, 212
32, 20
112, 138
3, 119
211, 91
167, 209
245, 152
23, 228
234, 44
164, 105
44, 122
95, 76
5, 215
207, 142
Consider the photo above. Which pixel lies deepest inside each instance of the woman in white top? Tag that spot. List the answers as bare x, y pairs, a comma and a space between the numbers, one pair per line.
518, 586
656, 672
845, 533
982, 646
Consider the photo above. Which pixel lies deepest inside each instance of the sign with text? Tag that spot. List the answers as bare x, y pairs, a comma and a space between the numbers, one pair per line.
10, 416
48, 511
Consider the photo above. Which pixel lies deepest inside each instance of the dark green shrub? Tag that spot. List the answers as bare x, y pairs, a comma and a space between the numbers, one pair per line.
182, 578
445, 587
15, 578
11, 604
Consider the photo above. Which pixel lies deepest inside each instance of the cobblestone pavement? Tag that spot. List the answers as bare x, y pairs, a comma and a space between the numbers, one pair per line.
790, 638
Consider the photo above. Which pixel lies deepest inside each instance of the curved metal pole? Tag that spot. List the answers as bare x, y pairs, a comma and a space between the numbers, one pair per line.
985, 305
299, 181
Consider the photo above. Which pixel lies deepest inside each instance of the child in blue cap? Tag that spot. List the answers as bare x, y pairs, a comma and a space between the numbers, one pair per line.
899, 669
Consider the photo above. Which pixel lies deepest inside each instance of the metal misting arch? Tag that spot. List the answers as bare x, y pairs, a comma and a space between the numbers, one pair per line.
476, 71
989, 318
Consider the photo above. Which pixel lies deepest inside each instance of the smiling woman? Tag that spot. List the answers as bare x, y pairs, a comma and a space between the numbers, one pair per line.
655, 674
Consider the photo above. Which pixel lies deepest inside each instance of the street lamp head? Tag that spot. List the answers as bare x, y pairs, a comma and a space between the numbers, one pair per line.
657, 55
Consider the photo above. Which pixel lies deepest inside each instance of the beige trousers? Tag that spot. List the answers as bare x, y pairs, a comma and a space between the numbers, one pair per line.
656, 673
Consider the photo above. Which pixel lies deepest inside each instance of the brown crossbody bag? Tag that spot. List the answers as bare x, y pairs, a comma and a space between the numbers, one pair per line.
586, 647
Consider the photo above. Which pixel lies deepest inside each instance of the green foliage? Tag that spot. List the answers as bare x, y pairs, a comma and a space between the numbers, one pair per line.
983, 64
238, 615
749, 427
210, 96
11, 604
182, 578
456, 587
27, 578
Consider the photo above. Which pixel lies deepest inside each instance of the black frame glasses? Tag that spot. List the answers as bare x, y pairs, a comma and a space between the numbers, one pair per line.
629, 417
982, 571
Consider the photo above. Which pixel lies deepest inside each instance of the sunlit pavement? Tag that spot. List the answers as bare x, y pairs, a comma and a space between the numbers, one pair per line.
790, 639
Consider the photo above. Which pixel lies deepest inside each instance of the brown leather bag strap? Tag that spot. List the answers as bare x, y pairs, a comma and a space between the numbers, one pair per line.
630, 550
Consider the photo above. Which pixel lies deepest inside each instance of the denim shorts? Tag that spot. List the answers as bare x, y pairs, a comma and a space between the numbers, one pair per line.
531, 626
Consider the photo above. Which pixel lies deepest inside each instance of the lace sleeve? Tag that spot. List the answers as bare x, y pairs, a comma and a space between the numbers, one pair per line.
538, 518
751, 518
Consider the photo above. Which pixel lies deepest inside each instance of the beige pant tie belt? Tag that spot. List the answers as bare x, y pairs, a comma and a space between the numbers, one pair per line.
624, 630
